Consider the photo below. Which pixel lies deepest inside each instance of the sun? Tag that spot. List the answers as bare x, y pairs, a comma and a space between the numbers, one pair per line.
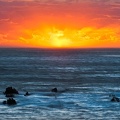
59, 40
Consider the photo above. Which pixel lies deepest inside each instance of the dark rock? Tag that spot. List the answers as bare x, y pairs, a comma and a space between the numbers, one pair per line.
54, 90
10, 90
26, 94
115, 99
10, 101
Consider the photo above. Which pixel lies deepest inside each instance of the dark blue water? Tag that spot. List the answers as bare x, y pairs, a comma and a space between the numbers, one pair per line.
85, 78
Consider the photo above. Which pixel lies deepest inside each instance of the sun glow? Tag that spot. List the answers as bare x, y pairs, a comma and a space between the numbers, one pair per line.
52, 37
58, 39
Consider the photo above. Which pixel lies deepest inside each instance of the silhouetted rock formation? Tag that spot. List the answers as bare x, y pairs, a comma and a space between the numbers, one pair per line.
115, 99
26, 94
10, 90
54, 90
10, 101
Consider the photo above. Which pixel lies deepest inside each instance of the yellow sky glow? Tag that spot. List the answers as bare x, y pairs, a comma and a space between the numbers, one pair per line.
67, 38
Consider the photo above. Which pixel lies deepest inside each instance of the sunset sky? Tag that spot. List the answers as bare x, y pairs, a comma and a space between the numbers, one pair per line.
60, 23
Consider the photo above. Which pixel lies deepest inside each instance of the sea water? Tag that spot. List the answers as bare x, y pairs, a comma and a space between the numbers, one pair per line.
85, 79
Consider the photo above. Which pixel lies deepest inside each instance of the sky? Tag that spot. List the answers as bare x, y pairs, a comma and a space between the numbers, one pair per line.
60, 23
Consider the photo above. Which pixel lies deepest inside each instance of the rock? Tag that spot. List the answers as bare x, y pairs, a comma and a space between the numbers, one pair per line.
10, 101
10, 90
54, 90
26, 94
115, 99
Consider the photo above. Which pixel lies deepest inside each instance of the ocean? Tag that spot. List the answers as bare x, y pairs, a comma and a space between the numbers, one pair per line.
85, 79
